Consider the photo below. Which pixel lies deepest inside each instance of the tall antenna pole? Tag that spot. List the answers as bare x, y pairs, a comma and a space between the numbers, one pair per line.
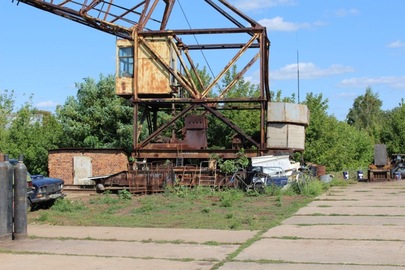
298, 76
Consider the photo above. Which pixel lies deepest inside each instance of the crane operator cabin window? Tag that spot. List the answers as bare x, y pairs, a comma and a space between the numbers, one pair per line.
126, 58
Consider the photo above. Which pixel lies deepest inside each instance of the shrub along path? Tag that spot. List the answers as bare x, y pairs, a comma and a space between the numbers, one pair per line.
360, 226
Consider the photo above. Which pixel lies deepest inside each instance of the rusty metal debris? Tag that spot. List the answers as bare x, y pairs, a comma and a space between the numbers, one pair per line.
384, 167
380, 168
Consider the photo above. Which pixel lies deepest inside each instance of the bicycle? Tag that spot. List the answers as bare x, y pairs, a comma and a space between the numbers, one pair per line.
302, 179
236, 180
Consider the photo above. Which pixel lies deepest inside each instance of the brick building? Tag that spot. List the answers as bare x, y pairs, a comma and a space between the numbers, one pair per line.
75, 165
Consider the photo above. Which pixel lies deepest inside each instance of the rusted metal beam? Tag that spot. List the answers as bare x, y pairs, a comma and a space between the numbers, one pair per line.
85, 8
185, 68
264, 90
205, 31
224, 13
239, 13
231, 125
146, 16
166, 13
194, 69
169, 123
128, 11
221, 46
162, 101
229, 65
193, 154
75, 16
239, 75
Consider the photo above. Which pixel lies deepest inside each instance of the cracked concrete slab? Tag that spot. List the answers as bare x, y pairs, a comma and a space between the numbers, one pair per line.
122, 249
141, 234
297, 266
347, 220
63, 262
359, 232
327, 251
352, 211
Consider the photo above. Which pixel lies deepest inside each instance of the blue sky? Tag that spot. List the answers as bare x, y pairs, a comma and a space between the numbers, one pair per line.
344, 47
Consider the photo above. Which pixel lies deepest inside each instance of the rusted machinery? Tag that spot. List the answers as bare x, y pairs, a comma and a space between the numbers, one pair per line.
145, 178
157, 72
397, 166
380, 170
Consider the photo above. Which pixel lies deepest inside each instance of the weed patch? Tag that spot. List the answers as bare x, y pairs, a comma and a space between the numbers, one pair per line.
182, 207
63, 205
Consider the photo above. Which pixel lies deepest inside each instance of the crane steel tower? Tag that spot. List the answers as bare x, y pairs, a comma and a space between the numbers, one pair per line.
156, 71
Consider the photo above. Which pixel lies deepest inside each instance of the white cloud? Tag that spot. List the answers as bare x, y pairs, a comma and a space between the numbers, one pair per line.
396, 44
342, 12
307, 71
392, 81
47, 104
248, 5
278, 24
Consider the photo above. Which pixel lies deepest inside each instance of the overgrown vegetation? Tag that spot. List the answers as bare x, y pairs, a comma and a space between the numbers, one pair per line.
183, 207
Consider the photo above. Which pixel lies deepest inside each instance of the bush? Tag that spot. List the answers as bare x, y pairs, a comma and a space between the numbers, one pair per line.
313, 188
124, 195
308, 186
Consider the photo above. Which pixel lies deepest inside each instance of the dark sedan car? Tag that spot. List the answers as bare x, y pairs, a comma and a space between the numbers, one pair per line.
45, 190
41, 189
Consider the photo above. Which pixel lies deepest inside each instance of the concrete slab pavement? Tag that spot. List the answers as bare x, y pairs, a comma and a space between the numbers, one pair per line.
331, 233
127, 248
346, 220
338, 232
300, 266
142, 234
123, 249
352, 211
321, 251
361, 226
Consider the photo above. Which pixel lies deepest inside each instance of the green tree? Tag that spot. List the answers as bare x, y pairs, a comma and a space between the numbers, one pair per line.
366, 114
334, 143
393, 134
277, 97
97, 117
32, 133
6, 109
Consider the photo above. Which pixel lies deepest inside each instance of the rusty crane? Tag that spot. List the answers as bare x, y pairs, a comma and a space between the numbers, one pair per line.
157, 72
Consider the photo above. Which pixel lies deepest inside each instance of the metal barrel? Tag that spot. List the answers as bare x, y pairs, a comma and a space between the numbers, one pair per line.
20, 200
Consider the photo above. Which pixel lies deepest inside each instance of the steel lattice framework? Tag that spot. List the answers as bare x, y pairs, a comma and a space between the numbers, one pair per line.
136, 21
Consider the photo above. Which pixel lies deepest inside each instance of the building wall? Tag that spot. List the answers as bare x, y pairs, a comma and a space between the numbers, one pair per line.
103, 162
